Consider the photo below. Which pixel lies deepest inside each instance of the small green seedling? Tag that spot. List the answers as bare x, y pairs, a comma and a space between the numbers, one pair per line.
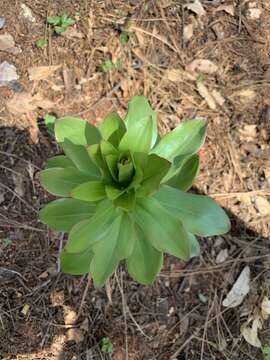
41, 43
107, 66
60, 23
49, 122
124, 37
106, 345
124, 197
266, 352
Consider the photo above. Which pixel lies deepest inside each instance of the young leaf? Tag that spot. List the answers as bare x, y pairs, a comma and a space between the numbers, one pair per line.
186, 139
60, 161
61, 182
125, 201
77, 131
200, 214
111, 161
112, 192
80, 157
186, 174
138, 137
89, 191
88, 232
63, 214
112, 124
163, 230
145, 262
139, 109
76, 263
54, 20
114, 247
155, 169
49, 122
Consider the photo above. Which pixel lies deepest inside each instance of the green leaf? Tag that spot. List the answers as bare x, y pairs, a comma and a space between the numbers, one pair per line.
112, 125
89, 191
86, 233
76, 263
111, 161
139, 109
54, 20
154, 171
112, 192
95, 154
194, 246
200, 214
138, 137
164, 231
114, 247
77, 131
107, 66
125, 171
49, 122
41, 43
107, 148
186, 139
186, 174
126, 200
145, 262
124, 37
61, 182
60, 29
60, 161
63, 214
80, 157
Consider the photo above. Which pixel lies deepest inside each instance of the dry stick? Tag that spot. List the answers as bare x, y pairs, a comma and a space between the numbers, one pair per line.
124, 305
89, 280
19, 197
235, 194
19, 158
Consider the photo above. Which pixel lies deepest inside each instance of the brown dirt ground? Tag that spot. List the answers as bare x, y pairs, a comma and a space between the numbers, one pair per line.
181, 316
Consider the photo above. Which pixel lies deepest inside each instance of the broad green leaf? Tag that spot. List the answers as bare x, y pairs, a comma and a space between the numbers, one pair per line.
77, 131
113, 127
89, 191
200, 214
60, 161
139, 109
155, 169
186, 139
107, 148
80, 157
76, 263
163, 230
88, 232
111, 161
145, 262
114, 247
95, 154
186, 174
63, 214
126, 200
194, 246
61, 182
138, 137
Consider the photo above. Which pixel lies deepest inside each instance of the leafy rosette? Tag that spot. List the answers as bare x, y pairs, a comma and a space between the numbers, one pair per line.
123, 194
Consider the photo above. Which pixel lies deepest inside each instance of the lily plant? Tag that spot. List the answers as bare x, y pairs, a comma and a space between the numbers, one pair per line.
124, 197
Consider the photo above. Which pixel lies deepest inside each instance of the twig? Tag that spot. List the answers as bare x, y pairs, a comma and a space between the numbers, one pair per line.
124, 306
235, 194
89, 280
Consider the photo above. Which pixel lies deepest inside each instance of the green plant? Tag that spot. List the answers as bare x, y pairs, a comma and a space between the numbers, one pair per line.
106, 345
266, 352
41, 43
107, 66
49, 121
60, 23
124, 37
123, 192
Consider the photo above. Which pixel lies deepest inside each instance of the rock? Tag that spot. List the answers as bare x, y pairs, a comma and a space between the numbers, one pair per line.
2, 22
26, 12
7, 44
8, 73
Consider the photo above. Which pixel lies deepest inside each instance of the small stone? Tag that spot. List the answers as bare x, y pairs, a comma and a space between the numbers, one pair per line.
8, 73
2, 22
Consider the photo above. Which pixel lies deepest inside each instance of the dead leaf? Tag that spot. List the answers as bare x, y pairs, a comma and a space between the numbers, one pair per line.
262, 205
246, 96
205, 94
222, 256
7, 44
85, 325
25, 309
68, 77
41, 72
196, 7
178, 75
69, 315
71, 33
265, 308
57, 298
19, 185
239, 290
229, 9
24, 102
248, 132
75, 334
188, 31
202, 66
250, 333
218, 97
